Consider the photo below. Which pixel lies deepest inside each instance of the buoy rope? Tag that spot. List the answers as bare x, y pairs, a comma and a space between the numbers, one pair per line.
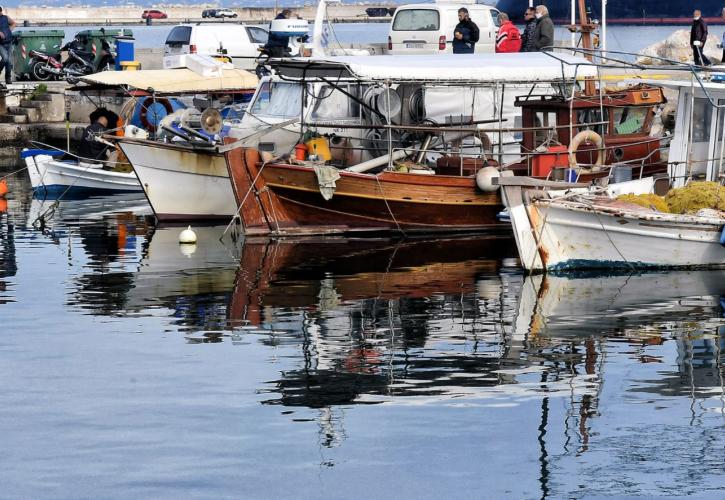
377, 178
241, 204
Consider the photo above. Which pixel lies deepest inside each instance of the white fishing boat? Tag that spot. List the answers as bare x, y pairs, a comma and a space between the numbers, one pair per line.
50, 175
180, 177
181, 182
591, 229
556, 231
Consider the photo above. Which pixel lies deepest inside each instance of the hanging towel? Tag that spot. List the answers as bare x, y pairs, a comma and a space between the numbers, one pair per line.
326, 178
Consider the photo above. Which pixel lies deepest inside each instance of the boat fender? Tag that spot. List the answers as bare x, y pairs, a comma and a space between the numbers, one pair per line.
144, 111
586, 135
722, 237
484, 179
187, 236
3, 187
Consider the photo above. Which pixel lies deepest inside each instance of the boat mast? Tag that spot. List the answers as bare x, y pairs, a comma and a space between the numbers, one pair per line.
585, 27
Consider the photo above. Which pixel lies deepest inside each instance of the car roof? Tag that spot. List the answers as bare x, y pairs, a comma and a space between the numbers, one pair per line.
444, 6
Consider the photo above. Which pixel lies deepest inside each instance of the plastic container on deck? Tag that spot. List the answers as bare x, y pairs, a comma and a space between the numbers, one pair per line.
543, 163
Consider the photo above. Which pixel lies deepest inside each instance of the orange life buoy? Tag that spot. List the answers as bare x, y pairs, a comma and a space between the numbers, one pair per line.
146, 104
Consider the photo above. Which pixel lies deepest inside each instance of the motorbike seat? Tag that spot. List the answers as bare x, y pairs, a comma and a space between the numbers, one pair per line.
84, 53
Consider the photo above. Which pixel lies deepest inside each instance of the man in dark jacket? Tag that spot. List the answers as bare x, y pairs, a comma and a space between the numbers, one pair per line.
698, 37
544, 30
6, 47
527, 37
90, 149
465, 35
277, 46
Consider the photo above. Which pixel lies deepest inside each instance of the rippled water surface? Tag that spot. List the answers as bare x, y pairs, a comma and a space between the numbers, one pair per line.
132, 367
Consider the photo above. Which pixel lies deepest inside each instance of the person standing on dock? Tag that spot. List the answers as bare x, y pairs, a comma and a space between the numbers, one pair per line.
698, 37
465, 34
527, 37
277, 45
544, 30
6, 45
508, 38
722, 42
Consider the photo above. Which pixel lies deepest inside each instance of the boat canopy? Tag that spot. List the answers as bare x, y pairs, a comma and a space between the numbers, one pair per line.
442, 68
173, 81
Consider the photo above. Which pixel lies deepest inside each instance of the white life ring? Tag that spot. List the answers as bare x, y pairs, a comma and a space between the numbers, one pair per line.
586, 135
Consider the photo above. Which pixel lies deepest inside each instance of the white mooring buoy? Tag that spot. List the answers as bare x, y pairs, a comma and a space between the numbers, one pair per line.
187, 236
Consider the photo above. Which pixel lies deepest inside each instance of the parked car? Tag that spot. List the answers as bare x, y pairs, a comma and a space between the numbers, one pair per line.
427, 28
218, 13
153, 14
238, 42
225, 13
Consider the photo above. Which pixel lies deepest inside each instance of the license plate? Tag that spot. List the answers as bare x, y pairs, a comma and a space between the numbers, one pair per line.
415, 45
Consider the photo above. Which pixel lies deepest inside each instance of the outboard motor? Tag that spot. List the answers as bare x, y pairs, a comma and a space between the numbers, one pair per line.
286, 37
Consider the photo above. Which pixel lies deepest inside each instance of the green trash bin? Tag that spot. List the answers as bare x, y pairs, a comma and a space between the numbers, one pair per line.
93, 40
46, 41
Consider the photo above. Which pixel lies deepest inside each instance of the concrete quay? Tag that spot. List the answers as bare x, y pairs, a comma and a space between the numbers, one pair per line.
48, 16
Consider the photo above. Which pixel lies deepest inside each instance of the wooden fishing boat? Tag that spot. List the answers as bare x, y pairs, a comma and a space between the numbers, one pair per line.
376, 194
287, 199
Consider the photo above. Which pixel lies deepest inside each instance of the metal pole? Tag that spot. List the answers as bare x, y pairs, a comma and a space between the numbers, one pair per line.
603, 42
573, 22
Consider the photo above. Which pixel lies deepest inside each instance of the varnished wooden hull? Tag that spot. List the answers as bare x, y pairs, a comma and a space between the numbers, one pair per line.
287, 199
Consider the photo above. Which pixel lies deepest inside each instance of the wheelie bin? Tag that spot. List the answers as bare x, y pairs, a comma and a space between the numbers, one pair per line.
46, 41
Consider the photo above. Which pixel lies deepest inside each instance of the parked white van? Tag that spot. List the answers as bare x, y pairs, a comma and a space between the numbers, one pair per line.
236, 41
427, 28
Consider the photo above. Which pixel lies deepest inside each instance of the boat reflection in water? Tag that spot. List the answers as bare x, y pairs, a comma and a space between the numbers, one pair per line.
374, 320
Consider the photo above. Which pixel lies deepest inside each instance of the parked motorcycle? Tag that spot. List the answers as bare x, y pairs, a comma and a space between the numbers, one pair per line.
44, 67
80, 62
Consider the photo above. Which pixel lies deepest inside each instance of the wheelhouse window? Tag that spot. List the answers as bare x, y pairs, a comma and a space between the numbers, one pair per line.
592, 119
630, 120
545, 125
416, 20
278, 99
701, 120
331, 103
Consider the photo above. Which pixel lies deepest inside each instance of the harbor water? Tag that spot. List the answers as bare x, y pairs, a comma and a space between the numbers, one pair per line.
619, 38
134, 367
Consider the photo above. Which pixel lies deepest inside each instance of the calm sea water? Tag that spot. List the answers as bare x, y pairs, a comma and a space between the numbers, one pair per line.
619, 38
132, 367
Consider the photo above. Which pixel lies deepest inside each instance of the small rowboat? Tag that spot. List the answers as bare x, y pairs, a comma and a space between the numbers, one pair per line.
50, 175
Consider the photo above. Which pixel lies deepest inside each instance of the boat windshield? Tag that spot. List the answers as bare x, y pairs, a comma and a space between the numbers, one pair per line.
278, 99
333, 104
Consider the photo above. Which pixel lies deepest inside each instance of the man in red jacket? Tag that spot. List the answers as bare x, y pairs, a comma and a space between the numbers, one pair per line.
508, 38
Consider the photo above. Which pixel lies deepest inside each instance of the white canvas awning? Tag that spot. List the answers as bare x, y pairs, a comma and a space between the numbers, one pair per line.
174, 81
443, 68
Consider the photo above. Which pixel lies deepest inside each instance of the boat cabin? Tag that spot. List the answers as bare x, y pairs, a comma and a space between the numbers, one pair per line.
368, 105
697, 150
622, 117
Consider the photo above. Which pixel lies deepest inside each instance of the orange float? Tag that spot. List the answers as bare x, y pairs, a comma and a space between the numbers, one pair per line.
3, 187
